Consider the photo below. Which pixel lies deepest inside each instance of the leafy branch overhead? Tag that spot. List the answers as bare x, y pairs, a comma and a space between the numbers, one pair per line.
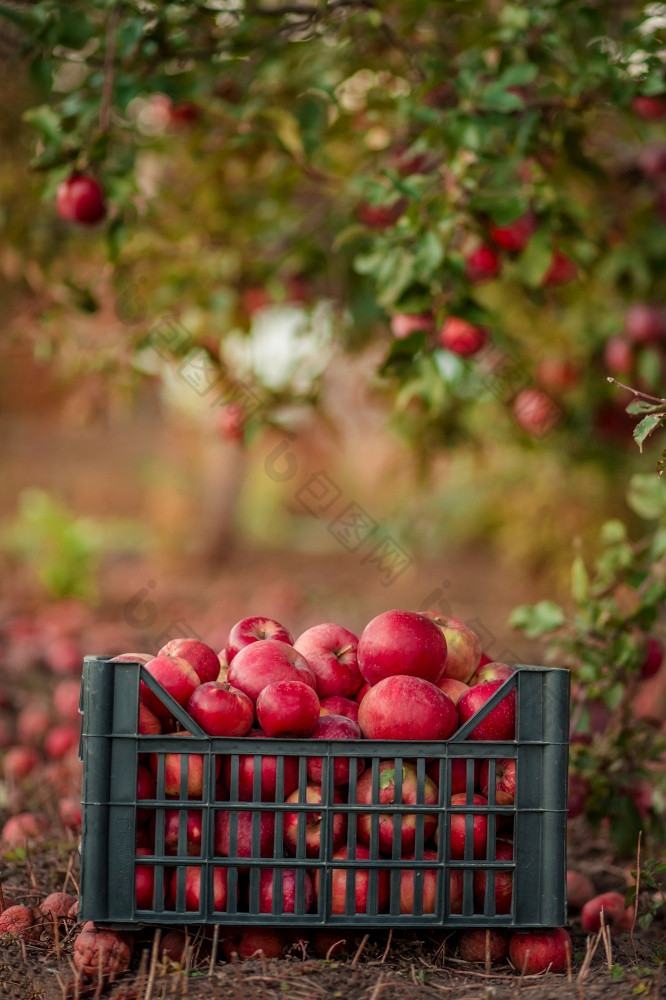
486, 177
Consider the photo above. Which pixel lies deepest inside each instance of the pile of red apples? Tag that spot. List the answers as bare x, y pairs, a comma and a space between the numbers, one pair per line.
407, 676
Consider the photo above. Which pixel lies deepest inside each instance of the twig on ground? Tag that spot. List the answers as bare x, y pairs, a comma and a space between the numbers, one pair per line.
388, 946
360, 948
638, 885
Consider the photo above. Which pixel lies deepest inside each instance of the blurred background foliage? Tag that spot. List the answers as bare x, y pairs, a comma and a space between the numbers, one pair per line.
298, 198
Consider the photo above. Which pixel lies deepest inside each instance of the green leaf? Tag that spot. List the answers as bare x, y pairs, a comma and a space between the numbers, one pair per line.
613, 532
647, 496
518, 75
45, 121
580, 581
642, 406
535, 619
646, 427
535, 259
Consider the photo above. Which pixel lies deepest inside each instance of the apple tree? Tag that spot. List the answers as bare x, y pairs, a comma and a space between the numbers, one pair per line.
477, 187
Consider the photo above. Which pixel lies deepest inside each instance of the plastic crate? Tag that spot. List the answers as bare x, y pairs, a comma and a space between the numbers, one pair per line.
447, 892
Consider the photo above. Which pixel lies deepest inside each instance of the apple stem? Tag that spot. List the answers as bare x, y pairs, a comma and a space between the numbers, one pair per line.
345, 649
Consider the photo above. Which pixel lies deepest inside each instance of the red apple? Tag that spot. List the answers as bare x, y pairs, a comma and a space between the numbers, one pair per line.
558, 374
225, 824
404, 324
653, 657
535, 411
149, 723
481, 945
401, 642
455, 689
268, 774
514, 236
101, 954
651, 109
220, 709
270, 882
532, 952
503, 882
174, 769
580, 888
361, 693
288, 708
132, 658
505, 780
203, 658
249, 630
619, 356
193, 822
381, 216
423, 877
334, 727
258, 942
651, 160
330, 651
192, 885
360, 884
144, 882
482, 264
458, 827
264, 661
491, 670
561, 270
405, 823
407, 708
311, 823
461, 337
80, 198
458, 780
335, 704
176, 676
616, 915
463, 647
500, 723
645, 324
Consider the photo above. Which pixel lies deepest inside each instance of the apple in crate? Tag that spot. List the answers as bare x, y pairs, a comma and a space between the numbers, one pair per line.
176, 676
503, 882
331, 652
500, 723
265, 661
417, 883
458, 780
491, 670
253, 629
192, 888
226, 824
268, 773
505, 780
220, 709
335, 704
360, 883
311, 824
387, 778
403, 707
455, 689
288, 708
334, 727
463, 646
458, 827
270, 880
401, 642
175, 765
203, 658
192, 829
144, 882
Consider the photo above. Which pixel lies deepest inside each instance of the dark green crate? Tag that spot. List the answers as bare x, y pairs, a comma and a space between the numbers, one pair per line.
111, 749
